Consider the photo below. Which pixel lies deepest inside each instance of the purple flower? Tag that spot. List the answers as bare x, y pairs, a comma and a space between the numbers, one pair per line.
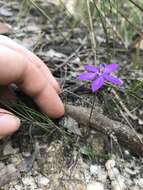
100, 75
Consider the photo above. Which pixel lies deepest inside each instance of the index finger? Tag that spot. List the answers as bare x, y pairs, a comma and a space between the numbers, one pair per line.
32, 58
18, 69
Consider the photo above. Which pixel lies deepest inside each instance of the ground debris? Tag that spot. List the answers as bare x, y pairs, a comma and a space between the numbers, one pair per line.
125, 135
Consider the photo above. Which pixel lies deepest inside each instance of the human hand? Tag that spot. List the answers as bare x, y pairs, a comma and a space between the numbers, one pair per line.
31, 75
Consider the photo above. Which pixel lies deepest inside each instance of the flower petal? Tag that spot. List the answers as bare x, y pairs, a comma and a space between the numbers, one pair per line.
110, 68
113, 79
91, 68
98, 83
86, 76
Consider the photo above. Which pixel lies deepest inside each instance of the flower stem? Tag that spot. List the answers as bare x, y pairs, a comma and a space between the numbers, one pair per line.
93, 104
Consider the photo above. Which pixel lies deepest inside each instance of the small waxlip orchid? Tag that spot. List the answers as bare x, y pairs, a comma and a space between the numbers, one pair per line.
99, 75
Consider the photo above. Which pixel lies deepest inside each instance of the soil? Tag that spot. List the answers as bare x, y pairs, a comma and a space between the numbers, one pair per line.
67, 155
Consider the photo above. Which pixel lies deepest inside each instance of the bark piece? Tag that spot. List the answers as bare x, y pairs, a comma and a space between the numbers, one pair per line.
126, 136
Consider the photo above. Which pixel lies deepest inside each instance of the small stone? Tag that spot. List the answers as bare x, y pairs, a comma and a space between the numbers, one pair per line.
98, 172
113, 173
8, 149
95, 169
135, 188
127, 154
80, 187
131, 172
28, 181
118, 184
140, 182
71, 125
18, 187
95, 186
110, 164
26, 154
42, 181
102, 177
2, 165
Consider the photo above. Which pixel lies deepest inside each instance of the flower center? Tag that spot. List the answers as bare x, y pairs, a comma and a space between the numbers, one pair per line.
101, 69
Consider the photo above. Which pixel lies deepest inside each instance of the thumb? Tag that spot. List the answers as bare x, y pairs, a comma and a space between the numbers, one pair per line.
8, 123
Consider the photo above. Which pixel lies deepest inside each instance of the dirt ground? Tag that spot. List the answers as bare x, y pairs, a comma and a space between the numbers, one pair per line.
71, 156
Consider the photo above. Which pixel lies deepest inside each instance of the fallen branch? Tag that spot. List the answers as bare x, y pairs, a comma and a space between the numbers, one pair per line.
126, 136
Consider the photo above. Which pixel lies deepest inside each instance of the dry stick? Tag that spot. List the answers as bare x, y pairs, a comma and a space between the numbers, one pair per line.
133, 117
75, 53
136, 4
110, 24
103, 124
92, 32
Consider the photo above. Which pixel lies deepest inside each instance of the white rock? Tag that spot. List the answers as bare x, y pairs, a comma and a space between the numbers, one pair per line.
18, 187
102, 177
98, 172
26, 154
87, 177
29, 181
118, 184
113, 173
52, 53
95, 169
95, 186
42, 181
131, 172
8, 149
110, 164
11, 188
135, 188
1, 165
140, 182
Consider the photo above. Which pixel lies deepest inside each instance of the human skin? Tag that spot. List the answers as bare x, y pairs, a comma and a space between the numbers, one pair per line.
21, 67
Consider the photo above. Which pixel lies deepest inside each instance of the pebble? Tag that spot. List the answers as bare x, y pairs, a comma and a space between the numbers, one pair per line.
42, 181
140, 182
2, 165
29, 181
131, 172
95, 186
135, 188
98, 172
95, 169
8, 149
26, 154
18, 187
113, 173
110, 164
118, 184
117, 181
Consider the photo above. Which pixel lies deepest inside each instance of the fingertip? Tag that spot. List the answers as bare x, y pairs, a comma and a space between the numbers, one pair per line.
59, 112
8, 124
49, 102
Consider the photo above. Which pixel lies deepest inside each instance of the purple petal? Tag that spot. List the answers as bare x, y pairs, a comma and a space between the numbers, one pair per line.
110, 68
113, 79
98, 83
86, 76
91, 68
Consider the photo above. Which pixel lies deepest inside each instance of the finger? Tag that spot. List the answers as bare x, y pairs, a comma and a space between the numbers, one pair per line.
32, 58
8, 123
16, 68
42, 92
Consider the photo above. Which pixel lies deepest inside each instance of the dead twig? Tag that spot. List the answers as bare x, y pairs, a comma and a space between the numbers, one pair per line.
103, 124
